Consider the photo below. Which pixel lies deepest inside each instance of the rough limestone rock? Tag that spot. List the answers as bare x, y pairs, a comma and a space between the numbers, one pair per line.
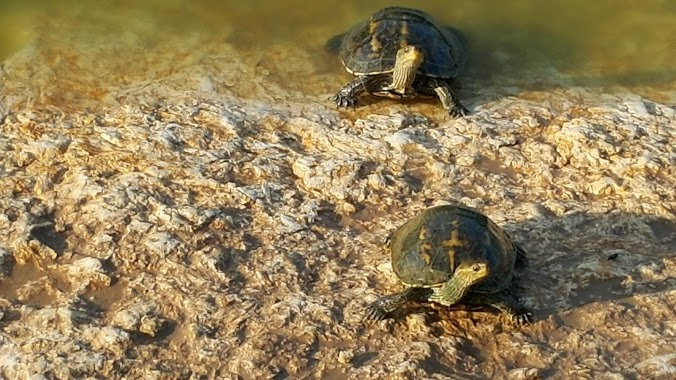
199, 209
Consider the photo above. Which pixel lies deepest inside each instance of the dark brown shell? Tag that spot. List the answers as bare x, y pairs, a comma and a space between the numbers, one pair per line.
371, 46
427, 248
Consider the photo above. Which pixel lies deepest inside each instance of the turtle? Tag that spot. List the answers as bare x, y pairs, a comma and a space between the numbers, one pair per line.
401, 53
452, 254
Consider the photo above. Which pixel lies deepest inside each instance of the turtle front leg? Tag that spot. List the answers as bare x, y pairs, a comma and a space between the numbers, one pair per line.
348, 95
380, 308
505, 303
442, 89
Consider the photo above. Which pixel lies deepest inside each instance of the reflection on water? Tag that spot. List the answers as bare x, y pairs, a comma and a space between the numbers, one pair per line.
601, 42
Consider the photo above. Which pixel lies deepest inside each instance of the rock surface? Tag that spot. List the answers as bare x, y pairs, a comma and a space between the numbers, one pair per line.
202, 213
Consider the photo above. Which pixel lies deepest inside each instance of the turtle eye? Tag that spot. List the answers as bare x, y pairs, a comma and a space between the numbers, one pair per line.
476, 267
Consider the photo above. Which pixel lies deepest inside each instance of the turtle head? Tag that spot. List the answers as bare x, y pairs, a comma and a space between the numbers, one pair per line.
466, 274
409, 59
471, 272
410, 56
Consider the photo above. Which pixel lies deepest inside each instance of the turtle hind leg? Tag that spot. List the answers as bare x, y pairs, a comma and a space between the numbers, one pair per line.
348, 95
503, 302
384, 305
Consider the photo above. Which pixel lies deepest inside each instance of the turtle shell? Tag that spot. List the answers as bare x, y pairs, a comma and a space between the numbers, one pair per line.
426, 249
371, 46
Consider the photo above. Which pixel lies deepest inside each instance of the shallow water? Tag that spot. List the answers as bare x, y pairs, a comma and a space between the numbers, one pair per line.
606, 42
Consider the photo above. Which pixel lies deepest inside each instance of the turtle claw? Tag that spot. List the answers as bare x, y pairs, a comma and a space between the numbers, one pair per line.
458, 110
522, 319
374, 313
345, 101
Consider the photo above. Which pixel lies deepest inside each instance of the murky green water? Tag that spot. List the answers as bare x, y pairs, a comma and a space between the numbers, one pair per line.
601, 42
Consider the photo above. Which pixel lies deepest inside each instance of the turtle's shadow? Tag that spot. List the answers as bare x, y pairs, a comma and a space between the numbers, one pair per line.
505, 58
584, 258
